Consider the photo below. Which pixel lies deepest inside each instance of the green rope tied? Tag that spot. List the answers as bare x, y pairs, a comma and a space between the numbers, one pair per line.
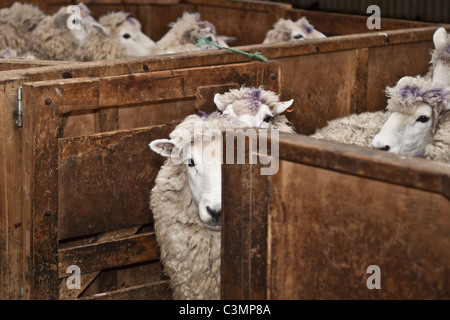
256, 55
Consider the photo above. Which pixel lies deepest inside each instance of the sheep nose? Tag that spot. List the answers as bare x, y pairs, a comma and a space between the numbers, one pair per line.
298, 36
385, 148
215, 214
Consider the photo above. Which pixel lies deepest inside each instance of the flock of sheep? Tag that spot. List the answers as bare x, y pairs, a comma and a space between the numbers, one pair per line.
186, 198
26, 32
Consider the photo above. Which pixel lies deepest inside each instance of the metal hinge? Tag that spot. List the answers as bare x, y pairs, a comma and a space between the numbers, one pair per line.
19, 107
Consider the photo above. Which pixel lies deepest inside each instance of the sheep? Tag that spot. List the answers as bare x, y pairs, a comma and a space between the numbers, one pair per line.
118, 36
186, 204
52, 39
16, 25
257, 107
417, 109
184, 34
288, 30
360, 129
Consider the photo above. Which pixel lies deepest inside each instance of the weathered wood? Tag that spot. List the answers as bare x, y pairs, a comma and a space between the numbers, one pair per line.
149, 291
113, 171
109, 254
332, 211
363, 64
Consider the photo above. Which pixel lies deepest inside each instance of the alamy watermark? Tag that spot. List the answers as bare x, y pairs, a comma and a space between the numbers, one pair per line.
74, 20
374, 281
211, 143
374, 21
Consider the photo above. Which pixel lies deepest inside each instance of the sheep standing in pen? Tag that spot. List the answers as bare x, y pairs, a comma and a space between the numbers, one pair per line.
256, 107
360, 129
186, 198
118, 36
184, 34
288, 30
52, 39
186, 205
16, 26
417, 108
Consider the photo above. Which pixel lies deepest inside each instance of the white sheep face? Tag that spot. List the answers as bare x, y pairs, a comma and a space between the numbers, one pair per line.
203, 166
136, 43
261, 119
406, 134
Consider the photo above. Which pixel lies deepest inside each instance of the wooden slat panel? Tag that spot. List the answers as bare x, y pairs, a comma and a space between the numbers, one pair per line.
430, 176
150, 87
150, 291
109, 254
105, 179
333, 210
328, 228
244, 244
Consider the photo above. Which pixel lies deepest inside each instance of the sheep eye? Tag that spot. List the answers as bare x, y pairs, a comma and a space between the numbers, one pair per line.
126, 36
191, 163
267, 119
209, 38
423, 119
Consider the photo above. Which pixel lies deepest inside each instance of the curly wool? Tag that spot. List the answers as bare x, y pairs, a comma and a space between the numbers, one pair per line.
98, 46
190, 252
409, 91
439, 148
356, 129
16, 24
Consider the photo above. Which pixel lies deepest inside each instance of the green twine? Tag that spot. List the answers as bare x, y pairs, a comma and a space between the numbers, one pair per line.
255, 55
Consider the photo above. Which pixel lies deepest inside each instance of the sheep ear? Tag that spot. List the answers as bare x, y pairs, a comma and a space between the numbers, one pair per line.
440, 38
61, 20
163, 147
283, 105
218, 102
101, 29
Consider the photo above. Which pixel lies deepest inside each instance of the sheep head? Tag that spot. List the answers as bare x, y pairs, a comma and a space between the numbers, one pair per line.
77, 19
254, 106
440, 58
196, 146
127, 32
288, 30
189, 29
416, 107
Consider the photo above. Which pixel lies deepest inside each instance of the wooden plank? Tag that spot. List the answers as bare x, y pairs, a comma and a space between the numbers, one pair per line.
109, 254
114, 173
331, 211
244, 245
150, 291
322, 241
71, 94
66, 293
430, 176
40, 160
